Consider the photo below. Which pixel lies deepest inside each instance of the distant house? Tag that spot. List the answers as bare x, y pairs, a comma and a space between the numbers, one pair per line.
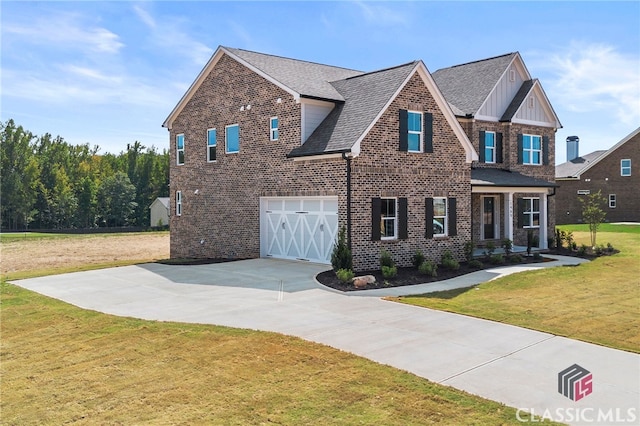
611, 172
159, 211
270, 156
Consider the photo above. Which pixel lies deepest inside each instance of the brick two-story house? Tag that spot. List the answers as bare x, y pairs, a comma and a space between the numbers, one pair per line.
270, 156
608, 171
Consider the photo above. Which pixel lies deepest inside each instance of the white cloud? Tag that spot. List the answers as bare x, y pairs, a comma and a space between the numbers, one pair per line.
64, 31
381, 15
145, 16
595, 77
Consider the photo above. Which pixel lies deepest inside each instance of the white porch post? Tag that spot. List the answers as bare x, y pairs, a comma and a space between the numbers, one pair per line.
508, 214
543, 222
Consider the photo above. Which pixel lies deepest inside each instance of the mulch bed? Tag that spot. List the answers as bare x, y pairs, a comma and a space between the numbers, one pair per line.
411, 276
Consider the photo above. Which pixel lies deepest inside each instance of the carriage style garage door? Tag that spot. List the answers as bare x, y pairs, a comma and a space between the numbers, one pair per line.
298, 228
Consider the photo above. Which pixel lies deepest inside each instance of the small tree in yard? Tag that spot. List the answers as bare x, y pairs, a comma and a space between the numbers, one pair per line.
593, 214
341, 255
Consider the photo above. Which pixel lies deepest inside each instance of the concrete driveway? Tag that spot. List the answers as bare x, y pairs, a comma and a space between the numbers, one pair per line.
512, 365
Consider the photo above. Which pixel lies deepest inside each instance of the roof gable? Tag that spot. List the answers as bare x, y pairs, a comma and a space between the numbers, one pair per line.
531, 106
299, 78
575, 167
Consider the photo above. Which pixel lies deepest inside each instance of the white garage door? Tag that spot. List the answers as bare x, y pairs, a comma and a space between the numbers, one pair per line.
299, 228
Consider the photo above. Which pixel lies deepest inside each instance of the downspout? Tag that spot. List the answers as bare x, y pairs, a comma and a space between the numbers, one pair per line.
348, 160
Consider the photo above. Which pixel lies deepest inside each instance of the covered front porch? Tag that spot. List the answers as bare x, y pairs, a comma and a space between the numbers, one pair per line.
509, 205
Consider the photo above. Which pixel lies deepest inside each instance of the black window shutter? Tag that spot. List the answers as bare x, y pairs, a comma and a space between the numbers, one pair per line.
427, 133
521, 216
404, 130
403, 233
452, 216
482, 146
376, 205
519, 149
428, 216
545, 150
498, 147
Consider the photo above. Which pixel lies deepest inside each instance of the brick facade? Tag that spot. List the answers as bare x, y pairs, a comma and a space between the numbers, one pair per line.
605, 177
223, 218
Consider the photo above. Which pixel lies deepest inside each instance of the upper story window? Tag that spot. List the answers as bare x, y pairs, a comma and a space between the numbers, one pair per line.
625, 167
211, 145
178, 203
232, 139
531, 149
180, 149
414, 131
489, 147
530, 212
273, 129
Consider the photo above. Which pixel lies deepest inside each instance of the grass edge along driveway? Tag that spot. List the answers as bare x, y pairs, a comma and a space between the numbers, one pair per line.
597, 302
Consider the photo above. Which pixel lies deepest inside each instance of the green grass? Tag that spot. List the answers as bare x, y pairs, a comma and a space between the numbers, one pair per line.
596, 302
61, 364
7, 237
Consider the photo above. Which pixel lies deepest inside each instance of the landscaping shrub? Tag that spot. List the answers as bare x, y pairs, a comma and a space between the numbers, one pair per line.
386, 259
537, 256
496, 259
345, 275
516, 258
429, 267
599, 250
610, 248
582, 251
507, 245
418, 258
448, 261
475, 263
341, 256
389, 271
468, 250
489, 249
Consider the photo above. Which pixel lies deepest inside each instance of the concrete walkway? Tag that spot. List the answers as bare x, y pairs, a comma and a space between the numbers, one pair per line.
512, 365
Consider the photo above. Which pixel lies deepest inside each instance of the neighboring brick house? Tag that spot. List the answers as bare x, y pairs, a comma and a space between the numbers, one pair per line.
511, 123
611, 172
270, 156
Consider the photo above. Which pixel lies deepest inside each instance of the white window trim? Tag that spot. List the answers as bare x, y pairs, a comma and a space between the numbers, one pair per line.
179, 150
178, 203
226, 139
413, 132
445, 217
613, 202
273, 131
532, 150
215, 144
532, 213
395, 220
493, 149
623, 168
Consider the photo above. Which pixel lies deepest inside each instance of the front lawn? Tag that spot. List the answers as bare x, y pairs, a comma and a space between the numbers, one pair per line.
596, 302
61, 364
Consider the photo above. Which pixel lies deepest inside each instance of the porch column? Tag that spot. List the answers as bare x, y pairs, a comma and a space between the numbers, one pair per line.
543, 222
508, 214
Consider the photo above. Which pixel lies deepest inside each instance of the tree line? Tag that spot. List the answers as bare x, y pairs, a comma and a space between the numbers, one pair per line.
47, 183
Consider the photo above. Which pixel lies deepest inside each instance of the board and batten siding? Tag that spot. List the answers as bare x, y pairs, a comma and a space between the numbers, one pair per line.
313, 113
535, 113
502, 95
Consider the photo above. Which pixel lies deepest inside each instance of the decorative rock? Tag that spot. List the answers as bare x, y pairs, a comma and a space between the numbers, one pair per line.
361, 282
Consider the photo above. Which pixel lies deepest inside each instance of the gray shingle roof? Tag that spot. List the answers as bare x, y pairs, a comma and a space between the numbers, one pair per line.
500, 177
575, 167
365, 97
466, 86
309, 79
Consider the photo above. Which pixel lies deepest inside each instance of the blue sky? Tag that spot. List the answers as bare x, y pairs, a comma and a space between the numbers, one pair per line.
109, 73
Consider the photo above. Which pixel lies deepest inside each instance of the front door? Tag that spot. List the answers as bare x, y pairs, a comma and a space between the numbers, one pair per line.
489, 218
